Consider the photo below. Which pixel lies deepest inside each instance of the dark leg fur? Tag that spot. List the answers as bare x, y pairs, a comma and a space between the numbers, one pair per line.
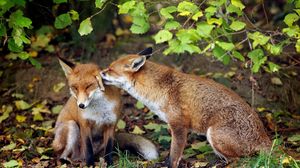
89, 154
108, 152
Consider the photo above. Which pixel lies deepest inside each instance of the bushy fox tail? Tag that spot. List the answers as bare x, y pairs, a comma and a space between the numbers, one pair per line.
137, 144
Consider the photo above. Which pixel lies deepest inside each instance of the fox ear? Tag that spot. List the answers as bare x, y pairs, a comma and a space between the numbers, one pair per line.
137, 63
100, 83
146, 52
67, 66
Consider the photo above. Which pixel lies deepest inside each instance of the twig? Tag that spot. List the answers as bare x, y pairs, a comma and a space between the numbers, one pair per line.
265, 13
100, 10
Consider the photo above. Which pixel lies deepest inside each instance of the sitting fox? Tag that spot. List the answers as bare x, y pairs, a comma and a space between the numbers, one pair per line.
190, 103
86, 124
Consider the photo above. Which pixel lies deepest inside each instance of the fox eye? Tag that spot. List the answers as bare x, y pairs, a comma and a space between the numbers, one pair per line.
74, 88
88, 86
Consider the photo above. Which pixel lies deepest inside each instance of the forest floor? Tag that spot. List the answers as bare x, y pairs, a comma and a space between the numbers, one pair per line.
32, 98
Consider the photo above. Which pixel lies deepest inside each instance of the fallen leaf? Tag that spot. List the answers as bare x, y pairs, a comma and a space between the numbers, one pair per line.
200, 164
11, 163
22, 105
20, 118
137, 130
58, 87
45, 157
276, 81
56, 109
286, 160
139, 105
121, 124
6, 110
261, 109
11, 146
294, 138
153, 126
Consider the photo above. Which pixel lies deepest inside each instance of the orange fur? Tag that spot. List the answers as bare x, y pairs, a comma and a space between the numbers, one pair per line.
191, 103
74, 126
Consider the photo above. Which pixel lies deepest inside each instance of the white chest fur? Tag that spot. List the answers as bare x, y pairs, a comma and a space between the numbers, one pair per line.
100, 110
152, 105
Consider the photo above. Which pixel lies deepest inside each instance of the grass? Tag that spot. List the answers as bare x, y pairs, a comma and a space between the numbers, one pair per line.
126, 161
275, 158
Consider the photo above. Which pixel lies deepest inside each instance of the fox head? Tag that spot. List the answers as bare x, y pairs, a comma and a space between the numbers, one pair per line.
84, 81
120, 72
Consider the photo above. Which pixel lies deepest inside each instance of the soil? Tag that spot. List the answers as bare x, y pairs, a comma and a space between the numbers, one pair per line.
282, 101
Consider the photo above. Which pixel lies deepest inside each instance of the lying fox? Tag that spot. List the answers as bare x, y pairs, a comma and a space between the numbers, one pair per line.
190, 103
86, 124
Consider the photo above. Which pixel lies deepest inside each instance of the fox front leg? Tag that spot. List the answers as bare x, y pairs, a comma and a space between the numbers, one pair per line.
108, 141
179, 138
87, 146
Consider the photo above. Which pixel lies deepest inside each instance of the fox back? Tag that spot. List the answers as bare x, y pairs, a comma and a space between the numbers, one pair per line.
188, 102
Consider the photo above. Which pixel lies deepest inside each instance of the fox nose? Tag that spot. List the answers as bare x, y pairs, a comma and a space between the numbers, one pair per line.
81, 106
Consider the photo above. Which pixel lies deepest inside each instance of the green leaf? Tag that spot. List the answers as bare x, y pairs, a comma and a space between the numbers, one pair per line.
121, 124
57, 87
209, 11
237, 25
164, 138
12, 46
2, 30
216, 21
273, 67
140, 19
238, 3
294, 138
20, 118
6, 110
9, 147
166, 12
187, 36
258, 58
226, 46
197, 15
186, 8
137, 130
238, 55
290, 19
74, 15
125, 7
23, 55
174, 47
60, 1
22, 105
297, 46
100, 3
85, 27
234, 9
153, 126
19, 36
258, 38
163, 36
11, 163
35, 63
204, 29
139, 105
62, 21
221, 54
292, 31
56, 109
171, 25
274, 49
17, 19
